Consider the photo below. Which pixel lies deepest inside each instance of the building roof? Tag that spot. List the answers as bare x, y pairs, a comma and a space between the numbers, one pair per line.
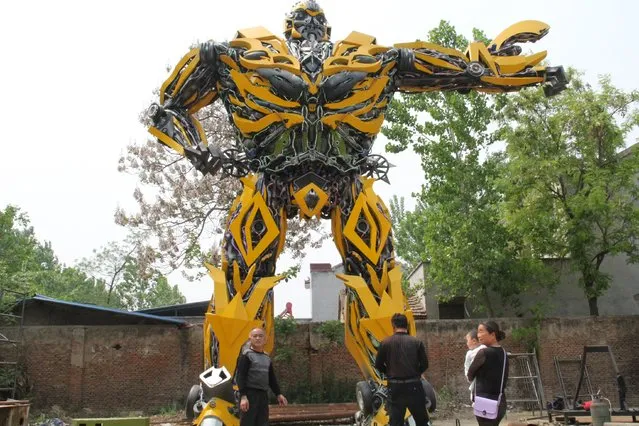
631, 149
191, 309
417, 305
92, 311
321, 267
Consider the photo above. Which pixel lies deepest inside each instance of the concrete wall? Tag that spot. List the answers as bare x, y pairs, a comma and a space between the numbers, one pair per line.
567, 299
115, 368
325, 288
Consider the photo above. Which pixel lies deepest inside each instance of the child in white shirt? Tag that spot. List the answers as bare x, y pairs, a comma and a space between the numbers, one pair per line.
473, 347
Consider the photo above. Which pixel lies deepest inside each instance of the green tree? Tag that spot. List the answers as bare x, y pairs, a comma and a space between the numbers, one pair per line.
457, 224
136, 292
131, 283
29, 266
570, 192
408, 231
18, 246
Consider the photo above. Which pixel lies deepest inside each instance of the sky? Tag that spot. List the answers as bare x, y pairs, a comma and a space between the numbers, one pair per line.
76, 75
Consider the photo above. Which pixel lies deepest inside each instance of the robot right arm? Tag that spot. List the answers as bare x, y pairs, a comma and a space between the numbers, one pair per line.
191, 86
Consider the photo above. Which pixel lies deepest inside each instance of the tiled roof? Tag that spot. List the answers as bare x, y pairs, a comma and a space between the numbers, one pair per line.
416, 304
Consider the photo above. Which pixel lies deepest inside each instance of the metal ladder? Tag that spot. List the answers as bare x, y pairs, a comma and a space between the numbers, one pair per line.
525, 376
567, 394
11, 321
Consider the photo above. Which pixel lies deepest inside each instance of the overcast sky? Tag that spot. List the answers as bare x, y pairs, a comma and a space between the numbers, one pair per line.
76, 74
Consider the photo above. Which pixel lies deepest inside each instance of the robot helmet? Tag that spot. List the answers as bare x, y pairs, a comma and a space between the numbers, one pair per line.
306, 21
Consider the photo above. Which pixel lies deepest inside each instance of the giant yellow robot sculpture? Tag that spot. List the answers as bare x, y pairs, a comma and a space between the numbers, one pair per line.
307, 112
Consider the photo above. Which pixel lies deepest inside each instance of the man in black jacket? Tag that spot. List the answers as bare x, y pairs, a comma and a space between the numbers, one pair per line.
402, 358
255, 375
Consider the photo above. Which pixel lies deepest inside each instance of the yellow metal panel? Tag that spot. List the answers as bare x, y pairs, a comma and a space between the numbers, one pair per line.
536, 58
513, 64
350, 229
269, 326
166, 140
338, 237
242, 286
259, 33
478, 52
245, 86
432, 46
355, 346
283, 227
285, 62
512, 81
246, 202
524, 27
220, 409
375, 90
375, 281
334, 65
257, 107
248, 127
230, 62
251, 253
176, 71
305, 210
232, 326
207, 328
260, 290
219, 286
381, 418
206, 100
358, 39
436, 61
371, 126
420, 67
188, 70
200, 131
357, 284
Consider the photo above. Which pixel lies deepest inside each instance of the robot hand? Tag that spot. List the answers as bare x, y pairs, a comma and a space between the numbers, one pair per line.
206, 159
556, 81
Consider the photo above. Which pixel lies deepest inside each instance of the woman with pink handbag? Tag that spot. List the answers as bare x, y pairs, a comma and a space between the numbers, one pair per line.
489, 369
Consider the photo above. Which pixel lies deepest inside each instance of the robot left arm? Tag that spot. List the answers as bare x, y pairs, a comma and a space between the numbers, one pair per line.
496, 68
191, 86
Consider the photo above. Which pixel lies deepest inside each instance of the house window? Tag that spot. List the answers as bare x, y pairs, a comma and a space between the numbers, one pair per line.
453, 309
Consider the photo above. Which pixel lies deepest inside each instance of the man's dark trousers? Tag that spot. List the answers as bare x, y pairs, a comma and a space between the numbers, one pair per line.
407, 395
257, 414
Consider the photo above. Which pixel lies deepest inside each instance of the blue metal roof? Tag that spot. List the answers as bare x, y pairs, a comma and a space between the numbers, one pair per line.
51, 300
200, 306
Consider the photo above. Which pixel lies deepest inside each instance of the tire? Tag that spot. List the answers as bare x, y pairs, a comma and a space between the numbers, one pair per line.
191, 399
364, 397
431, 396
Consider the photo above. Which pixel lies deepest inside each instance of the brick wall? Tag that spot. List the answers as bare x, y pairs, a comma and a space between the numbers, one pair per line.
110, 368
117, 368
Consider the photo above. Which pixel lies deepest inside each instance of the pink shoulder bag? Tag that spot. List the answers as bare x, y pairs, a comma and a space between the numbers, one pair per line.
488, 408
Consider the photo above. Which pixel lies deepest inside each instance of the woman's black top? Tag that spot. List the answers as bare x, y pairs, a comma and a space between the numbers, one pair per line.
487, 368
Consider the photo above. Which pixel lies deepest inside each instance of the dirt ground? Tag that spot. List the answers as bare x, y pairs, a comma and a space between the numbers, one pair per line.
439, 419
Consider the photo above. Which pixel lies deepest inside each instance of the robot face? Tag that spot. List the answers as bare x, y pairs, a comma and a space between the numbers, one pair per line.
307, 22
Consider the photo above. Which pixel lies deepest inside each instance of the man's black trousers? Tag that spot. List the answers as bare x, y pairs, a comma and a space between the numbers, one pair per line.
257, 414
407, 395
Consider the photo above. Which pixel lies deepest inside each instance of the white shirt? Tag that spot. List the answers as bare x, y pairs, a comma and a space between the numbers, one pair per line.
470, 356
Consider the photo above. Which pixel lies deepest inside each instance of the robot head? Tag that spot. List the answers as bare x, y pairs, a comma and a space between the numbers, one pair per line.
306, 21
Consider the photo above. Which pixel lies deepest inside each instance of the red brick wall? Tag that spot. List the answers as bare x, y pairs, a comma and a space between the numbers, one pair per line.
110, 368
118, 368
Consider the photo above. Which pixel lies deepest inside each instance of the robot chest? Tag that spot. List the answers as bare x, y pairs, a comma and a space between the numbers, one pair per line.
272, 95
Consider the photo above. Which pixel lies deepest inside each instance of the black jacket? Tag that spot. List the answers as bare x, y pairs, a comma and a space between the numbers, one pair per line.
401, 357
